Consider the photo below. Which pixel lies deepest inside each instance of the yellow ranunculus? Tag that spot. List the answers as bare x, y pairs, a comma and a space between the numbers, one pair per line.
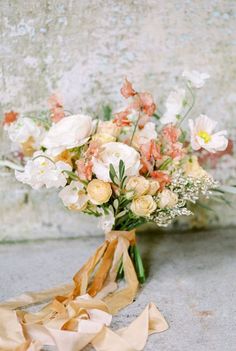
103, 138
108, 127
154, 186
99, 192
139, 185
193, 169
143, 205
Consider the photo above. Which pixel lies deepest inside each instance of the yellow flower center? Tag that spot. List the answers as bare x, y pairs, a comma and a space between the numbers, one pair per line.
205, 136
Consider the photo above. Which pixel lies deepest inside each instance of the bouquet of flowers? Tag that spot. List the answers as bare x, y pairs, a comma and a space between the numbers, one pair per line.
127, 169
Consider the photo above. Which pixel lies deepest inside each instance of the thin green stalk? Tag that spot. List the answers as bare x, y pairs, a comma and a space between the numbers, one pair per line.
190, 108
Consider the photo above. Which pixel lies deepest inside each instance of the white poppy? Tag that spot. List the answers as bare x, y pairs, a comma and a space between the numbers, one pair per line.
196, 79
69, 132
41, 171
174, 106
112, 153
74, 196
144, 135
23, 129
106, 221
202, 135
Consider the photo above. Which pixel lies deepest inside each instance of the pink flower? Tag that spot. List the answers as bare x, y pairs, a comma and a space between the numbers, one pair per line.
150, 152
93, 149
171, 133
56, 108
143, 102
121, 119
147, 103
10, 117
127, 89
163, 178
84, 169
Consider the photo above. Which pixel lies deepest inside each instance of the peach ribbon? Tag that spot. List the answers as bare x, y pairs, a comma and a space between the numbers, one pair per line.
80, 314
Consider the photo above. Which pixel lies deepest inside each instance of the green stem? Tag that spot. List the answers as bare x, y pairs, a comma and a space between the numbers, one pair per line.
120, 272
139, 265
191, 106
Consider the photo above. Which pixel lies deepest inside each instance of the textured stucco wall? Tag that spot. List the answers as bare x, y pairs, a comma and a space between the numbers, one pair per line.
83, 49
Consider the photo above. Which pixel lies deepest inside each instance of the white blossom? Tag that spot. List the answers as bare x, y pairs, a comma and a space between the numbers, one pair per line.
112, 153
195, 78
40, 171
202, 135
174, 106
69, 132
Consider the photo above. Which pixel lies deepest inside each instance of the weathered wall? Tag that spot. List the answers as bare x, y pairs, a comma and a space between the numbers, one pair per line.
83, 49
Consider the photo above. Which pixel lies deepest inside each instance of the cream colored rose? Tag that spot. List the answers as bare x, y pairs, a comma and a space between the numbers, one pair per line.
103, 138
108, 127
143, 205
167, 199
99, 192
193, 169
112, 153
154, 186
139, 185
69, 132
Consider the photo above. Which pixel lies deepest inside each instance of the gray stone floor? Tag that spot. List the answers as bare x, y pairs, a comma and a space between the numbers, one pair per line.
191, 278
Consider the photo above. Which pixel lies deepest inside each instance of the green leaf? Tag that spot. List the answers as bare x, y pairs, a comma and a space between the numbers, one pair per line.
231, 189
156, 116
121, 169
116, 204
107, 112
165, 164
112, 174
71, 175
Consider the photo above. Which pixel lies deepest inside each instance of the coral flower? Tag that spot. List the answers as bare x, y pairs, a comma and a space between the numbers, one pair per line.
171, 133
84, 169
151, 150
121, 119
127, 89
163, 178
56, 108
10, 117
144, 102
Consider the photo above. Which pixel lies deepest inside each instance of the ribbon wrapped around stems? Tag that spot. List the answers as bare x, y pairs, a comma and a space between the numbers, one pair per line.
80, 314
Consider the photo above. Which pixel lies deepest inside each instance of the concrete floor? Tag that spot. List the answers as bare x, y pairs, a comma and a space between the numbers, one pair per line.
192, 279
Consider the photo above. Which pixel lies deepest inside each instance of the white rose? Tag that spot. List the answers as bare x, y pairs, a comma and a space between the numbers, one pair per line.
41, 171
174, 105
69, 132
144, 135
196, 78
167, 199
74, 196
112, 153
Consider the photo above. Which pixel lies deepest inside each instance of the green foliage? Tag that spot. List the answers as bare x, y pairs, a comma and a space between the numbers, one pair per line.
107, 112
